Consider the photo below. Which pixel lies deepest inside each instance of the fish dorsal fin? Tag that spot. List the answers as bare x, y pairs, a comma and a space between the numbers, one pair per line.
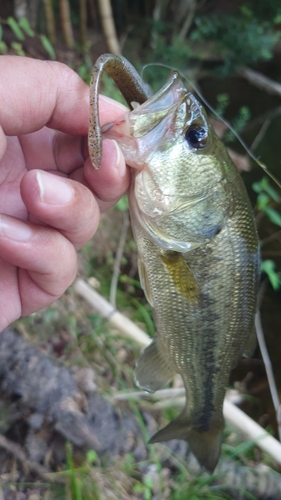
153, 370
181, 275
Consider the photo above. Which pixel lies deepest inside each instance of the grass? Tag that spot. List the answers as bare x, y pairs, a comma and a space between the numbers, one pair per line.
88, 341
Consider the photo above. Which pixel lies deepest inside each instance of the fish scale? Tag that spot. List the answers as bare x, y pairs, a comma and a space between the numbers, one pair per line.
197, 246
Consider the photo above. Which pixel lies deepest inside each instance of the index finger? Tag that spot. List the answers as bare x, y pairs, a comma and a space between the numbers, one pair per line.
37, 93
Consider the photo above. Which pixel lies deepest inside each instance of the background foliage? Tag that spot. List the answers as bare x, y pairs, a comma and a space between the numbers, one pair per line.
213, 43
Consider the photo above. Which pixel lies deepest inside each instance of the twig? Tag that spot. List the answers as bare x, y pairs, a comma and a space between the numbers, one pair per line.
269, 371
245, 423
270, 238
161, 394
261, 81
118, 258
109, 26
269, 115
188, 20
260, 134
83, 22
66, 23
16, 450
50, 20
231, 413
108, 312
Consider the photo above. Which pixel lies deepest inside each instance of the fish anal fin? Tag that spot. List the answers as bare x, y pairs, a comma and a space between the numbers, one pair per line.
144, 281
153, 370
205, 445
181, 275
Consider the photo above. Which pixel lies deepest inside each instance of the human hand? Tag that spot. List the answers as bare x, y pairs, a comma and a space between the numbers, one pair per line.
50, 194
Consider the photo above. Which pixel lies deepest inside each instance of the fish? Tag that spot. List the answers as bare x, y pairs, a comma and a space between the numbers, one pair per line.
198, 248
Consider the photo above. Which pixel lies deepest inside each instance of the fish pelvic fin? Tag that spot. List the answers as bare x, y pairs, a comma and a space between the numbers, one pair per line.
205, 445
153, 370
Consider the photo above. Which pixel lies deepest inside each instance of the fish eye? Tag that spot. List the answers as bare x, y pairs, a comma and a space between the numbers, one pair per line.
196, 137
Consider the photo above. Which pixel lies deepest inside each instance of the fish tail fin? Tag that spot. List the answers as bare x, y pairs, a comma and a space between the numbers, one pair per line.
205, 445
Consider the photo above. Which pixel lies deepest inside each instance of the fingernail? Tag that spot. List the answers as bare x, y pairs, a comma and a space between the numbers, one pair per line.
14, 229
53, 190
120, 164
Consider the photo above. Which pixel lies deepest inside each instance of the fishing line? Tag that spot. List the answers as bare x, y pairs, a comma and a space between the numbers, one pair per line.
223, 120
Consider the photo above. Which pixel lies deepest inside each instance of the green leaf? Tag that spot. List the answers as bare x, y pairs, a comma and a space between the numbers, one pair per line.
246, 11
18, 48
277, 19
272, 193
262, 201
48, 46
15, 28
273, 215
3, 48
24, 24
1, 33
146, 316
263, 185
92, 456
256, 187
122, 204
268, 267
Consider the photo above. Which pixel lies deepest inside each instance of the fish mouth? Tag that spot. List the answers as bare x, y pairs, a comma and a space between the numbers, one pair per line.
142, 129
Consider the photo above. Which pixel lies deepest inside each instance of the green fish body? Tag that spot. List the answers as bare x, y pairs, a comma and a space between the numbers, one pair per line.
198, 258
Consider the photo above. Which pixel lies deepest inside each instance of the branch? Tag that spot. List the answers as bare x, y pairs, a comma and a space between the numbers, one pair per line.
66, 23
261, 81
83, 22
50, 20
188, 20
16, 450
269, 371
118, 258
109, 26
232, 413
109, 313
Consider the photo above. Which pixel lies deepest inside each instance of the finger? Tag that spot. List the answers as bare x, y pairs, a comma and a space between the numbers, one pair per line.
50, 150
3, 143
50, 94
112, 179
47, 259
61, 203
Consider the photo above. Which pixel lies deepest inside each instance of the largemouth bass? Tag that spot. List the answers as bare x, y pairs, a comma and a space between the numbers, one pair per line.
197, 247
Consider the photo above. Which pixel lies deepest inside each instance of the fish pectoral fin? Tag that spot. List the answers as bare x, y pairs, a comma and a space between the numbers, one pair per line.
251, 344
153, 370
205, 445
145, 282
181, 276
